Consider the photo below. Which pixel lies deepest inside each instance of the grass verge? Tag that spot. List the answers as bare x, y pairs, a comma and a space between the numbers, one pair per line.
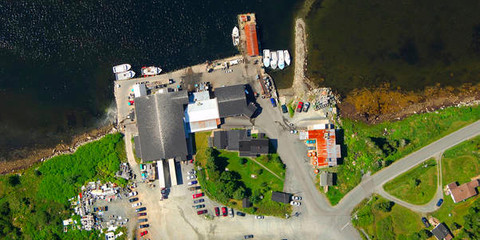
417, 186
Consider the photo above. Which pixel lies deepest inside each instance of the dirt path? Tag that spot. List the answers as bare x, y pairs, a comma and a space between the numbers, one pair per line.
267, 169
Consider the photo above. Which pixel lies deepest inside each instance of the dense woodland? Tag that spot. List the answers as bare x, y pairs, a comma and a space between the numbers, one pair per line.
34, 203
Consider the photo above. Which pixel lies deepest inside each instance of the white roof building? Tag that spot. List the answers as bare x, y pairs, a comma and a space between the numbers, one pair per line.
139, 90
202, 115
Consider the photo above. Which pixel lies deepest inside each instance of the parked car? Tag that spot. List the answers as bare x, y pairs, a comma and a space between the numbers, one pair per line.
137, 204
142, 220
143, 226
134, 193
192, 182
170, 81
143, 233
425, 222
230, 212
240, 214
274, 102
224, 211
299, 106
306, 106
199, 201
217, 211
191, 177
199, 206
142, 214
298, 198
439, 203
141, 209
248, 236
192, 172
133, 199
293, 203
201, 212
95, 209
311, 148
197, 195
310, 142
284, 108
194, 188
259, 217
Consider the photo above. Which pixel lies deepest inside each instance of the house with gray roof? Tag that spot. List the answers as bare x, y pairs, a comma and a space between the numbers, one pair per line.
232, 102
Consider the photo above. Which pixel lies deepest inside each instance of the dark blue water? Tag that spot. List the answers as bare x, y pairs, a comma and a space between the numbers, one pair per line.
56, 56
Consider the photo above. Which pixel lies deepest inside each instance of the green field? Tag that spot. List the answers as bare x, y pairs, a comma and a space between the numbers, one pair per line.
34, 203
373, 147
230, 188
461, 162
417, 186
379, 223
409, 44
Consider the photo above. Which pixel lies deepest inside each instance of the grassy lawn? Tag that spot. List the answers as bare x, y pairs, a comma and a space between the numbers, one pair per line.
373, 147
462, 162
416, 186
399, 223
258, 188
137, 159
35, 201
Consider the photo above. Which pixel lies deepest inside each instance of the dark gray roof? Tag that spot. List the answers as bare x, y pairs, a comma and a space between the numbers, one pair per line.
220, 139
441, 231
246, 203
234, 137
160, 125
138, 147
253, 147
232, 101
326, 179
281, 197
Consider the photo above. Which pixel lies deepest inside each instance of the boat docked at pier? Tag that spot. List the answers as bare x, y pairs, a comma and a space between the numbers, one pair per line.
151, 71
125, 75
287, 57
121, 68
235, 36
266, 58
281, 59
273, 61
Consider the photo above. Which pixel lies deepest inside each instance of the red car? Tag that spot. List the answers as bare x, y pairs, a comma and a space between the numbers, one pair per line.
224, 211
217, 211
300, 106
201, 212
143, 233
197, 195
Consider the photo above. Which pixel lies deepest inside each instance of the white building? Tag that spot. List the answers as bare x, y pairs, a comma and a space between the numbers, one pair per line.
139, 90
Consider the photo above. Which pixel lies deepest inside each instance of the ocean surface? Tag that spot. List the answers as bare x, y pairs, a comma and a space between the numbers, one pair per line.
56, 56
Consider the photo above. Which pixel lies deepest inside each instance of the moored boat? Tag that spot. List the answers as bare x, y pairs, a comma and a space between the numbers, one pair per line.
151, 71
121, 68
266, 58
287, 57
125, 75
281, 60
235, 36
273, 60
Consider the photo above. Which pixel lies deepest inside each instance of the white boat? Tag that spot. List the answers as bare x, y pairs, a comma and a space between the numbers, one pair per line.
235, 36
287, 57
266, 58
281, 59
151, 71
121, 68
125, 75
273, 61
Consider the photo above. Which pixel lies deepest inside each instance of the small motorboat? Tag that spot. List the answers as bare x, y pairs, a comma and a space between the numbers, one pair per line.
121, 68
235, 36
287, 57
151, 71
125, 75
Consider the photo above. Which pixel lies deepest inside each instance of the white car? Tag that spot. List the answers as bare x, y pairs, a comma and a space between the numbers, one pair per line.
293, 203
192, 172
298, 198
259, 217
134, 193
137, 204
191, 177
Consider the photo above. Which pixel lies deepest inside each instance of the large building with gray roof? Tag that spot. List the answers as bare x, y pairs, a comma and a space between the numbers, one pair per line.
232, 102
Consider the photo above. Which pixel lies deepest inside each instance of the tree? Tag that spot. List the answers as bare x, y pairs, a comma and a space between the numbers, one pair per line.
385, 206
14, 180
259, 171
239, 193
